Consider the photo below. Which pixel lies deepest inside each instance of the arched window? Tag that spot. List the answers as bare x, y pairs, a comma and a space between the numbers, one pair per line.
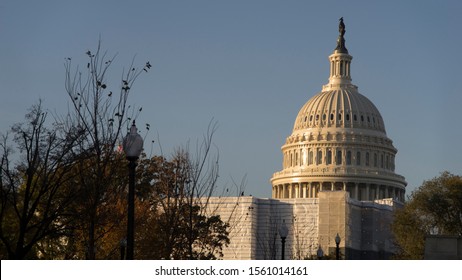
348, 158
381, 161
348, 117
339, 157
375, 159
331, 117
358, 158
319, 157
367, 158
339, 117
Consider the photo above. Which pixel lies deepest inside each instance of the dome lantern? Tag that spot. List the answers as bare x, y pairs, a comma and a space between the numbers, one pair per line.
340, 61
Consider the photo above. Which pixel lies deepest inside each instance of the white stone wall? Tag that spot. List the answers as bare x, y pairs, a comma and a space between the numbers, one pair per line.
364, 227
254, 224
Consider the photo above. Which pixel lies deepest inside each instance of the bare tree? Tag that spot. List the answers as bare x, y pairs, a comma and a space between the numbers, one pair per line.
101, 110
179, 191
32, 197
305, 241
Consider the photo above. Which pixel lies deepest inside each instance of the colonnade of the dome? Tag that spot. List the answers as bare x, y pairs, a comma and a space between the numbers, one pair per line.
357, 190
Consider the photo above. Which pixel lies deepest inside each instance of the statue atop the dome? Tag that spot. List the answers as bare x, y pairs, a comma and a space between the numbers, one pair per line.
341, 27
341, 41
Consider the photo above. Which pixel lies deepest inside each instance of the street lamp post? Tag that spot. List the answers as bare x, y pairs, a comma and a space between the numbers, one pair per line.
283, 232
337, 248
132, 145
319, 253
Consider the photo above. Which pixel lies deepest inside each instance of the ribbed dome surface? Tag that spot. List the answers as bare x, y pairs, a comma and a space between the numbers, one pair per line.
343, 108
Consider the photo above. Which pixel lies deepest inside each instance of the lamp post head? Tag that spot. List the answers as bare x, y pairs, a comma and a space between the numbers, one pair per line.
337, 239
319, 252
283, 230
133, 143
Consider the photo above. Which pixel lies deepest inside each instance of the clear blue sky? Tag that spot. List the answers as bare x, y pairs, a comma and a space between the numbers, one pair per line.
250, 65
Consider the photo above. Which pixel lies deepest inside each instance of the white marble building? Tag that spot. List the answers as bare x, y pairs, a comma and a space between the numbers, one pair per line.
338, 177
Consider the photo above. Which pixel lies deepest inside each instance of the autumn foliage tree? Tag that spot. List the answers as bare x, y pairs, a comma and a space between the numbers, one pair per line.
178, 191
434, 208
34, 205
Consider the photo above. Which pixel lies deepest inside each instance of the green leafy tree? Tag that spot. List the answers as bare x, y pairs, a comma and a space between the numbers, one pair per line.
434, 208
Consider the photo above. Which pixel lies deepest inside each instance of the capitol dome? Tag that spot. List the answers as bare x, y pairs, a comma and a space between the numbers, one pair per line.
339, 142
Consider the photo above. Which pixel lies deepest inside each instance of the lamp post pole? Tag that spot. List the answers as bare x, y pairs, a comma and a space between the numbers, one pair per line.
131, 208
283, 243
283, 232
337, 248
132, 145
